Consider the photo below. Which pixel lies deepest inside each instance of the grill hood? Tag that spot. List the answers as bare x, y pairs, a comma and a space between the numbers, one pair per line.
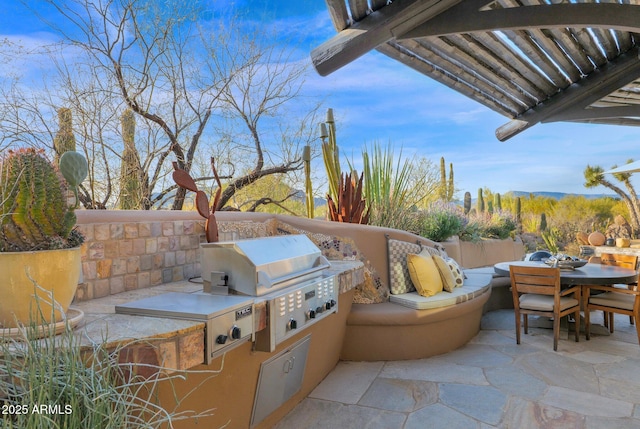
262, 265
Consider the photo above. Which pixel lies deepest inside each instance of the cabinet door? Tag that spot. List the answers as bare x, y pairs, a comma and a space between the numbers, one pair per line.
280, 378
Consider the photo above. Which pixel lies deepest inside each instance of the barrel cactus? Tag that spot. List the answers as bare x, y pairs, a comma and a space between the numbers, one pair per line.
34, 213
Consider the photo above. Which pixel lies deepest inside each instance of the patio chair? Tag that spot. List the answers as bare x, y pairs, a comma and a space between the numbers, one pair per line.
537, 291
621, 299
618, 260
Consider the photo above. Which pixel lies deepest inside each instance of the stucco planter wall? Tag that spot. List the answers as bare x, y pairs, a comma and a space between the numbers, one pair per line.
485, 252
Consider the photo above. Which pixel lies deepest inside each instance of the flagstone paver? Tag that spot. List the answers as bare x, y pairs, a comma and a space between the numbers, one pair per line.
490, 383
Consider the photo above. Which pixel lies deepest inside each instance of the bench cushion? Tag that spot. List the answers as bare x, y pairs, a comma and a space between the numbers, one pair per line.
474, 285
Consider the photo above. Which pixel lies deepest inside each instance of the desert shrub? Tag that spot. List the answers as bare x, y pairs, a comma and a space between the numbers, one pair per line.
82, 387
441, 221
500, 225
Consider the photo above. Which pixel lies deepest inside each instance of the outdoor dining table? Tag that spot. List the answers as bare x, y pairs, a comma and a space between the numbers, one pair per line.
589, 274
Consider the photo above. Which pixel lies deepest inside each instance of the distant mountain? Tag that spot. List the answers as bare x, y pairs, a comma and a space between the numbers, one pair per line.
560, 195
301, 196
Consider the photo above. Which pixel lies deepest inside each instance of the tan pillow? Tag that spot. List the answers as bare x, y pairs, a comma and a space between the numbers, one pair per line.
448, 280
424, 274
450, 271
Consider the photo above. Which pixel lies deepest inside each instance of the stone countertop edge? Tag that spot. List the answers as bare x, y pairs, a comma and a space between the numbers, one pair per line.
168, 336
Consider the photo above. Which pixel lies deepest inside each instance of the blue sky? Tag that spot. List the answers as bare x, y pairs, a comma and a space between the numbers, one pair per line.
376, 99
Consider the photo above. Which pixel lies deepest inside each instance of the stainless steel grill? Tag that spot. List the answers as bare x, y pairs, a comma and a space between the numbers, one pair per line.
288, 272
261, 266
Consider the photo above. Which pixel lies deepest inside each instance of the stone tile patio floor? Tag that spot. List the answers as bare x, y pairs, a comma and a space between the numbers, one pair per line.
490, 383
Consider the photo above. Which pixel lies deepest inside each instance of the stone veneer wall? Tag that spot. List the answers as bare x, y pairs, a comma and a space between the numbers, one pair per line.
131, 249
132, 253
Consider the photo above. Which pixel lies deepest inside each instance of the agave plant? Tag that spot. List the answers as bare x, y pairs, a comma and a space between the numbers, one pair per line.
350, 207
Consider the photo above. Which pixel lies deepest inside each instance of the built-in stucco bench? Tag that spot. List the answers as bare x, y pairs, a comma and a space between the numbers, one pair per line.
410, 326
501, 297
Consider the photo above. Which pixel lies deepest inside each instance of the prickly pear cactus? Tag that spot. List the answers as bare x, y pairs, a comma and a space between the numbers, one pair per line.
74, 168
33, 209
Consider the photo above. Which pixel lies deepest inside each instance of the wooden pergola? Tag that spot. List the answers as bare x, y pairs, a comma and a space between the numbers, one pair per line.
532, 61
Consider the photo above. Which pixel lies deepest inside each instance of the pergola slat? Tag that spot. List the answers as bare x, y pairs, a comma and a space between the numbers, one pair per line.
397, 52
573, 50
463, 63
502, 69
359, 9
433, 54
589, 45
378, 4
338, 13
536, 56
556, 54
506, 52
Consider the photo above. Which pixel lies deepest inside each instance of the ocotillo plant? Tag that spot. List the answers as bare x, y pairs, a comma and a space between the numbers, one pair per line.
35, 214
64, 140
306, 158
467, 202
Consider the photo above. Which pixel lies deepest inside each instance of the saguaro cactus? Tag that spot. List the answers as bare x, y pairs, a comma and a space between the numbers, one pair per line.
497, 202
443, 180
450, 186
543, 222
64, 140
518, 210
467, 202
34, 214
130, 171
330, 154
480, 202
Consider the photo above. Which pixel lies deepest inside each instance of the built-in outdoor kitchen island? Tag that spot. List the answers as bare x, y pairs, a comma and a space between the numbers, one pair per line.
248, 381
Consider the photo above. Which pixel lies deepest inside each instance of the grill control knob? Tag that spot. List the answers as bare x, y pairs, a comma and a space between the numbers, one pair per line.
319, 310
332, 303
221, 339
311, 314
235, 333
293, 324
327, 305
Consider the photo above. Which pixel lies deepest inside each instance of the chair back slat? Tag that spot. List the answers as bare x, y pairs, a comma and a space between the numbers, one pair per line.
618, 260
540, 280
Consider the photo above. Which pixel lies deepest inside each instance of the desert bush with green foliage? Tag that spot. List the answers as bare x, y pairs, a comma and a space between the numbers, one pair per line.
51, 382
443, 220
499, 225
440, 221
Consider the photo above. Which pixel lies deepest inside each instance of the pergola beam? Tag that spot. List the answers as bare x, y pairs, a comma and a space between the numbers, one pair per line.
377, 28
468, 17
579, 96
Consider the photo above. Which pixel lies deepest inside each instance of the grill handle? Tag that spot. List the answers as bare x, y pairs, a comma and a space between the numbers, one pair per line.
266, 281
